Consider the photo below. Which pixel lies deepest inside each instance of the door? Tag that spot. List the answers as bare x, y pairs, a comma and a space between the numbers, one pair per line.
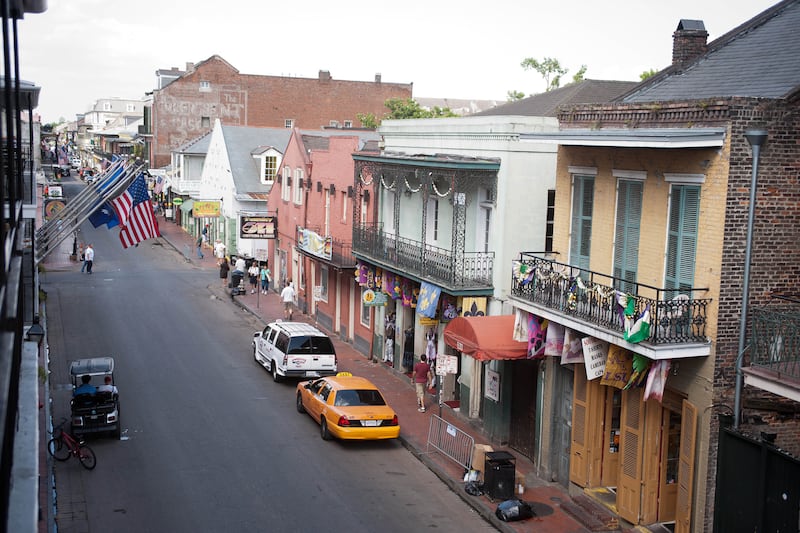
579, 460
683, 511
522, 435
562, 425
629, 489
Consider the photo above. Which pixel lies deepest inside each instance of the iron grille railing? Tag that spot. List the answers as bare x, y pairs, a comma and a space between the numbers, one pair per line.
775, 342
676, 316
439, 265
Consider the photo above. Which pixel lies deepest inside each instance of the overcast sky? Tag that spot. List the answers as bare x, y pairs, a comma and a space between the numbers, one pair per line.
81, 50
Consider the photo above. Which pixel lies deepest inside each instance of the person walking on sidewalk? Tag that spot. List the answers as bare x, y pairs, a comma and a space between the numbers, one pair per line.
421, 376
88, 255
199, 245
266, 277
287, 297
252, 274
224, 268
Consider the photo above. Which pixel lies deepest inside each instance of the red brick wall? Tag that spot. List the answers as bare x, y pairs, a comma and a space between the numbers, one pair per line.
251, 100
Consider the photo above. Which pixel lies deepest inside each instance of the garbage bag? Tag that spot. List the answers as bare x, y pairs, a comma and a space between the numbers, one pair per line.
513, 510
473, 488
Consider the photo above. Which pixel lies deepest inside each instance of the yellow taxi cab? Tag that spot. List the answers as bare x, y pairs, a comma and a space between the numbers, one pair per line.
347, 407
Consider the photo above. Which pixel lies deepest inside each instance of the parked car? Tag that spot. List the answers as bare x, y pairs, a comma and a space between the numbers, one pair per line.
76, 162
347, 407
94, 413
294, 349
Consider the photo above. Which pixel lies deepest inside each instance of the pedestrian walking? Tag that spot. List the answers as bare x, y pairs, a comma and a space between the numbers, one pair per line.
82, 255
88, 254
252, 274
219, 249
408, 349
421, 376
287, 297
199, 245
266, 278
224, 269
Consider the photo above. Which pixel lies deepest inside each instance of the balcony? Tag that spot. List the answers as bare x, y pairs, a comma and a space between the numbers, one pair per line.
470, 274
335, 252
775, 350
588, 301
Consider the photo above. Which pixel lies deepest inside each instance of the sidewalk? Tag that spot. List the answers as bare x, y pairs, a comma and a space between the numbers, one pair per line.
547, 499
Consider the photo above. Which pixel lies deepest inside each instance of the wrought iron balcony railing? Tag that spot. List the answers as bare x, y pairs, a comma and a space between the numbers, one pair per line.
341, 252
676, 316
775, 342
437, 265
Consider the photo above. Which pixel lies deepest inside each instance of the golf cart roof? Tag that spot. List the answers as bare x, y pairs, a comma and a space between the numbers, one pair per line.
92, 366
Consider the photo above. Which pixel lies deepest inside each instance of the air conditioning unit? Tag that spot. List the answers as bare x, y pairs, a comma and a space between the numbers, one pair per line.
319, 186
333, 188
350, 191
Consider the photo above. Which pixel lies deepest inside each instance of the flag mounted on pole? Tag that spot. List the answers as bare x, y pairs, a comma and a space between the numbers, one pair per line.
135, 214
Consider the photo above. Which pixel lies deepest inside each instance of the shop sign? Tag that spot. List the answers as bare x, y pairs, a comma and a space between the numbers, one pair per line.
177, 201
374, 298
424, 321
264, 227
446, 364
492, 385
209, 208
595, 352
53, 207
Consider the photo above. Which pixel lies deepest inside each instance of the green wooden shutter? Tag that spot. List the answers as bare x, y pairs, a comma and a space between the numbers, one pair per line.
684, 215
626, 239
582, 203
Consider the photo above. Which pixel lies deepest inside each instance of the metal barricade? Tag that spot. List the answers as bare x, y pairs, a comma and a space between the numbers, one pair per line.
451, 441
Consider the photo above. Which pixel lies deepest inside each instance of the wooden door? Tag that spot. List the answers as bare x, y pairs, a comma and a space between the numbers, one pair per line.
610, 433
524, 381
579, 463
629, 490
683, 511
595, 431
651, 461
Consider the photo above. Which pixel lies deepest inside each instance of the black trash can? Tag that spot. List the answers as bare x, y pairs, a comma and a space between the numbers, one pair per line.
498, 475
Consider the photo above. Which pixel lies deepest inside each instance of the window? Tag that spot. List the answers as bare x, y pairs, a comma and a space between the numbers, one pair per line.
333, 123
288, 123
581, 237
205, 86
365, 309
106, 106
626, 234
285, 189
348, 123
297, 186
344, 207
205, 122
130, 108
327, 212
432, 226
551, 220
270, 168
364, 209
684, 214
323, 282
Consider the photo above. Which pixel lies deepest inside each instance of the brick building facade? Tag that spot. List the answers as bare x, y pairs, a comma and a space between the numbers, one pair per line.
213, 89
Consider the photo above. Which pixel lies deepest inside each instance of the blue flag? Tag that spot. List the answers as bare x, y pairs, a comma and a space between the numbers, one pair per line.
428, 299
104, 215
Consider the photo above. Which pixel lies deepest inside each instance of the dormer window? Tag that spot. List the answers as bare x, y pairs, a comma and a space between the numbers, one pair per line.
270, 168
268, 161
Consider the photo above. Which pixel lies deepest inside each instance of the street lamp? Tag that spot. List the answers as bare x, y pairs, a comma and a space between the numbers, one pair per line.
35, 332
756, 139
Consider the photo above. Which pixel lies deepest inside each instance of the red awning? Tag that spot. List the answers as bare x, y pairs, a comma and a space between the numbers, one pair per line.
485, 337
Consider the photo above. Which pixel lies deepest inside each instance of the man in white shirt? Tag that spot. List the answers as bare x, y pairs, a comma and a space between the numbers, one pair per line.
287, 297
88, 255
219, 249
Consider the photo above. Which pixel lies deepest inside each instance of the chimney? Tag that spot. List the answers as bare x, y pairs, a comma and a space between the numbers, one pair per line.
378, 77
689, 42
324, 75
189, 66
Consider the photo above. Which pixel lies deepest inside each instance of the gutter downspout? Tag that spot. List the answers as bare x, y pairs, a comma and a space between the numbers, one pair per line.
756, 138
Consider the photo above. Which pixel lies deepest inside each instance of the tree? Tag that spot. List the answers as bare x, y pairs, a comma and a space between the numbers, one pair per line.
513, 96
550, 69
647, 74
578, 76
404, 109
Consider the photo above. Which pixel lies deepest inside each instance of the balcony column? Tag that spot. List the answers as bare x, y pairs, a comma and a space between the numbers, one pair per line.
459, 232
756, 138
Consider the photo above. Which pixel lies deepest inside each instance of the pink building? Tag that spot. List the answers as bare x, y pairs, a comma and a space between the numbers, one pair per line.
313, 198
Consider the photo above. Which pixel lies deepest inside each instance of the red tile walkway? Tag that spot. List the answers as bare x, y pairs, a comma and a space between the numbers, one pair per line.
545, 497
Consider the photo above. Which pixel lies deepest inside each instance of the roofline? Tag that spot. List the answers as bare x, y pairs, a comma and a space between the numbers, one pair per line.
636, 138
429, 161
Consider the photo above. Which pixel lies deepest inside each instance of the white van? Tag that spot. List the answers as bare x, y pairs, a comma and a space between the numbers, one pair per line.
294, 349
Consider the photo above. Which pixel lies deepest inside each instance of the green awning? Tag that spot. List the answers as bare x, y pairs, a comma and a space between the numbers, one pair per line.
187, 205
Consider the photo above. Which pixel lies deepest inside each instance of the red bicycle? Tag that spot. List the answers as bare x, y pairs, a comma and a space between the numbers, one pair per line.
63, 446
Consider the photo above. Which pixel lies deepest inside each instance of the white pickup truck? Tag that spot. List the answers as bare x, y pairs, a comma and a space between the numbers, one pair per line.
294, 349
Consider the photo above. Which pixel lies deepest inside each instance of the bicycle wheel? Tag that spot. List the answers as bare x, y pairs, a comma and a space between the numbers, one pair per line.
58, 449
86, 457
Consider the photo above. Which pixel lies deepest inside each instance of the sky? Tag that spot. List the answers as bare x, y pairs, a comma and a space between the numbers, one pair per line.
79, 51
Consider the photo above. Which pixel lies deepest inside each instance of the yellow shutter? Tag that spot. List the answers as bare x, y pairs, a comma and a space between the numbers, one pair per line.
629, 491
683, 513
578, 463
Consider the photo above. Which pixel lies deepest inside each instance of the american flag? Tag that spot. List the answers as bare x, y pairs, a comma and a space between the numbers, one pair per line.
159, 185
136, 218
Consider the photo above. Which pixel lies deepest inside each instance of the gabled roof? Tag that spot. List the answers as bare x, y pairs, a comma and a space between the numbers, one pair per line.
757, 59
240, 141
546, 104
198, 146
